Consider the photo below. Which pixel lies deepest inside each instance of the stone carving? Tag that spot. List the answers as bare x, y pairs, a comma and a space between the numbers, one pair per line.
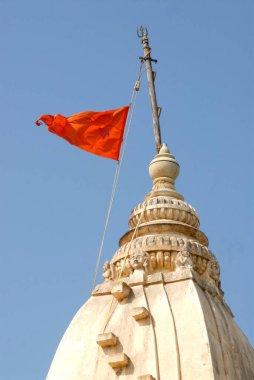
207, 274
173, 241
182, 243
151, 240
183, 259
126, 267
201, 265
141, 265
164, 207
153, 260
165, 240
107, 272
215, 272
164, 243
118, 269
211, 276
167, 260
163, 253
140, 261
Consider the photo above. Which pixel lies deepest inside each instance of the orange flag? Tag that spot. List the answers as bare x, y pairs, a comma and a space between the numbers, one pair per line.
100, 133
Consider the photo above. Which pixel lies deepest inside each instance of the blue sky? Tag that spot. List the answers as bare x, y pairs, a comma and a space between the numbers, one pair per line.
68, 56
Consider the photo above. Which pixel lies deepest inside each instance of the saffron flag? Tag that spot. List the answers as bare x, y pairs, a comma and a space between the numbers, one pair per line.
100, 133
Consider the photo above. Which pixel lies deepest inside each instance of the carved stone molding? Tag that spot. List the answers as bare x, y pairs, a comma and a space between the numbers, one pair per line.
163, 253
162, 242
164, 208
169, 261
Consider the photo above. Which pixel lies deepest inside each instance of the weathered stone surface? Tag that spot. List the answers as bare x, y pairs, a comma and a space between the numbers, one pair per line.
187, 328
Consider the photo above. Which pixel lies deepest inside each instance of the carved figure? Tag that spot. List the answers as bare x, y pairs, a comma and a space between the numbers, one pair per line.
207, 274
182, 244
140, 261
127, 269
107, 273
212, 273
118, 268
215, 272
203, 265
183, 260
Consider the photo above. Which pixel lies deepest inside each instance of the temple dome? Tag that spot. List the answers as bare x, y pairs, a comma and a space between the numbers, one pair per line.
160, 312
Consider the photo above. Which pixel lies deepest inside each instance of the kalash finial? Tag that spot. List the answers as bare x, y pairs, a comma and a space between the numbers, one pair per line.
164, 170
143, 35
164, 165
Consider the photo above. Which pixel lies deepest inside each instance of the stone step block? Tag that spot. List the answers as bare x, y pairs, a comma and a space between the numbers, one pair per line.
120, 291
139, 313
118, 361
106, 339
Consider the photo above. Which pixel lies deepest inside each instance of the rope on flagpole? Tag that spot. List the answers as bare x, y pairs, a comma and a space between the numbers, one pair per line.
133, 101
132, 238
113, 300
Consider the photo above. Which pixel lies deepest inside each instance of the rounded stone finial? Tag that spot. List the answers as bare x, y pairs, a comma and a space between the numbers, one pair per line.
164, 165
164, 148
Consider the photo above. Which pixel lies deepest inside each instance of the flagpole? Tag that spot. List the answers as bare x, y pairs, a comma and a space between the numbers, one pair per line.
143, 35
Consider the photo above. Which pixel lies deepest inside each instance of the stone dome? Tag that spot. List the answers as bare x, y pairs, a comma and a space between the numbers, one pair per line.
160, 312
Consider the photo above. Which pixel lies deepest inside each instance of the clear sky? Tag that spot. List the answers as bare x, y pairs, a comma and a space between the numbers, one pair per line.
69, 56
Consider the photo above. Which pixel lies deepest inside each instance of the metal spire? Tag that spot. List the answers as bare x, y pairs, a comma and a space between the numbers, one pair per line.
143, 35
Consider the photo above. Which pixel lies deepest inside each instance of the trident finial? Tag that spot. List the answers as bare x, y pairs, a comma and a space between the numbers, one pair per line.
142, 32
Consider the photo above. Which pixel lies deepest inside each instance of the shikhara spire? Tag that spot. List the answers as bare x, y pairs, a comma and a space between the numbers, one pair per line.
143, 34
159, 313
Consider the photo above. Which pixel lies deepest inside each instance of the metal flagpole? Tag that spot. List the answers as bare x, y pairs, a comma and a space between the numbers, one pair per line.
143, 35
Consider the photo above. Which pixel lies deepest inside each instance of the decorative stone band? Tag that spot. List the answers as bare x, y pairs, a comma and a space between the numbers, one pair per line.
164, 208
173, 255
168, 261
161, 228
162, 242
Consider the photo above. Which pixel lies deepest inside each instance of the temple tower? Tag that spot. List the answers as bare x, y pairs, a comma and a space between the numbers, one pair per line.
159, 313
